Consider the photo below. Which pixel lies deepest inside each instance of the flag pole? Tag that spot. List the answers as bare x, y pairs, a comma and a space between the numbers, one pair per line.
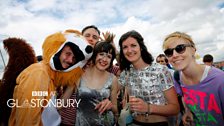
2, 57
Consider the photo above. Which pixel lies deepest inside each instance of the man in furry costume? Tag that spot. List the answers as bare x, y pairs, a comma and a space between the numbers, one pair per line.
64, 55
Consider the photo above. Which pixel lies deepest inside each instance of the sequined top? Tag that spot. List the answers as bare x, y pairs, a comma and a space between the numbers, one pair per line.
148, 83
86, 113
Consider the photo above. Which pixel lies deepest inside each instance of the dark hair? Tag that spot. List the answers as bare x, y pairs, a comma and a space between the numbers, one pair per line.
146, 56
103, 46
162, 55
208, 58
90, 26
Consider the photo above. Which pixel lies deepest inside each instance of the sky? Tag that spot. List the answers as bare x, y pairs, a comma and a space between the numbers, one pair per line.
34, 20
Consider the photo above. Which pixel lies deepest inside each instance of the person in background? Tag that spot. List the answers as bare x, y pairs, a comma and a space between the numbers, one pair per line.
150, 84
201, 85
161, 59
208, 60
91, 34
222, 65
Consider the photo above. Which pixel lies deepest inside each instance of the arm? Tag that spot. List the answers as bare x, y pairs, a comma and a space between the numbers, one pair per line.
166, 83
28, 81
171, 108
70, 89
114, 95
187, 118
107, 104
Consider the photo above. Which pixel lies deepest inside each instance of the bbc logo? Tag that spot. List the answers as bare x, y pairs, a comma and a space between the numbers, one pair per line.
39, 93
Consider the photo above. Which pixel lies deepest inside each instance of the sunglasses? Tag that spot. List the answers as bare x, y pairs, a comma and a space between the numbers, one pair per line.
179, 49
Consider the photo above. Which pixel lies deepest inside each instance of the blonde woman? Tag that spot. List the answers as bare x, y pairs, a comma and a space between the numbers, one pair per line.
201, 85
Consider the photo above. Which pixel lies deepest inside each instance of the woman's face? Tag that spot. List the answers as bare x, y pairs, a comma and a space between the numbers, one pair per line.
91, 35
103, 60
131, 49
180, 53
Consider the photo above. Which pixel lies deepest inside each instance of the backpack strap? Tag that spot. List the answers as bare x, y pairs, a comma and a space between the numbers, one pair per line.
176, 76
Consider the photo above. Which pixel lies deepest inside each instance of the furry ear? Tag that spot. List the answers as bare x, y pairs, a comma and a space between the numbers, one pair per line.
73, 31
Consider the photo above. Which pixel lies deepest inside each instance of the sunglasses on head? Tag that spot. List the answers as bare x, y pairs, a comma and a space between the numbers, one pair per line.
179, 49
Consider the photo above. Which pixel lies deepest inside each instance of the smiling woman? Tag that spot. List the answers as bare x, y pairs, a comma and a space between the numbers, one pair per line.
201, 85
98, 89
152, 97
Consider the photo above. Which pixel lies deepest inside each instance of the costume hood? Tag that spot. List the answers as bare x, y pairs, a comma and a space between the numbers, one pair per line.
52, 48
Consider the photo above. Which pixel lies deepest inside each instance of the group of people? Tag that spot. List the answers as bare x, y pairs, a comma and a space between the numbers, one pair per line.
150, 89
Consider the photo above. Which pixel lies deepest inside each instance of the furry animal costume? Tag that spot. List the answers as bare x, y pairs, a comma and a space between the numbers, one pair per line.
21, 55
46, 76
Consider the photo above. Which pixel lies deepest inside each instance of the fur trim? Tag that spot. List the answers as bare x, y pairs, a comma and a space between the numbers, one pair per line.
73, 31
68, 78
51, 45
